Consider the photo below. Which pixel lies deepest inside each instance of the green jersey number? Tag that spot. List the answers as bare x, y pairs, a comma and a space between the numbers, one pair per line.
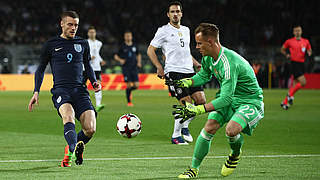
246, 111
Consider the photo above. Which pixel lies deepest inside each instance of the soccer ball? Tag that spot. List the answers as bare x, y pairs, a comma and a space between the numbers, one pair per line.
129, 125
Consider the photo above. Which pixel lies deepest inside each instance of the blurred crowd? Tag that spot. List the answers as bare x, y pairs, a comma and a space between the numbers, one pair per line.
250, 27
250, 22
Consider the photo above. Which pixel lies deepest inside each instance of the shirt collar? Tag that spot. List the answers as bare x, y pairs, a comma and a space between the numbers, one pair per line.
173, 26
219, 56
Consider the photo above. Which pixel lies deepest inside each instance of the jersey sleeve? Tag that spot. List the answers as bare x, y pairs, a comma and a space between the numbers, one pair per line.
286, 44
308, 45
44, 60
137, 50
86, 63
158, 39
204, 75
228, 86
120, 52
100, 46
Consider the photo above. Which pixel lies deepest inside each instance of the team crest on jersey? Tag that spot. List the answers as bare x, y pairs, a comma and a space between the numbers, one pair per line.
180, 34
134, 49
217, 73
77, 47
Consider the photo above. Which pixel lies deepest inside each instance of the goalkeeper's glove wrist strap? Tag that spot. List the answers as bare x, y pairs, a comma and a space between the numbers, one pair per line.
204, 107
189, 82
201, 109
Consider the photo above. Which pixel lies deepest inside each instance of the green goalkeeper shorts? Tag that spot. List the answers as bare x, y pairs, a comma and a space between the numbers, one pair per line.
247, 115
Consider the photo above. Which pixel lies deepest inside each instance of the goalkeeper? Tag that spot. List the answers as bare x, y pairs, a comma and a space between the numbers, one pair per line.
238, 103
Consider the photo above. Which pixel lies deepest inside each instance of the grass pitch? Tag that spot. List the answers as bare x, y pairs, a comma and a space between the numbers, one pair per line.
285, 145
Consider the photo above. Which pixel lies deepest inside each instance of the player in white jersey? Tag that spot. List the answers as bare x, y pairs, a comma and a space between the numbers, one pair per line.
96, 62
174, 41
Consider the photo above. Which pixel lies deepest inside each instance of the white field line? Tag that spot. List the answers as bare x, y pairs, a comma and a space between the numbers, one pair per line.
165, 158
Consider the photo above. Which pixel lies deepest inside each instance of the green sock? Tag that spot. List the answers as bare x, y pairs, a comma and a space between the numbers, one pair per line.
202, 148
235, 144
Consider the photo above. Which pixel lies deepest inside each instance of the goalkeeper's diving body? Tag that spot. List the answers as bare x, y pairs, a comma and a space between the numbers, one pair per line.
238, 103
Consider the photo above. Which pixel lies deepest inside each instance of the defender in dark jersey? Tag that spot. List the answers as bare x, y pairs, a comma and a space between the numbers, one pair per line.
130, 59
67, 55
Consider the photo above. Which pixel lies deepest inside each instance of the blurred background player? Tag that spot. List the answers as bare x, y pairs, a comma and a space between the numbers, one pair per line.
67, 55
298, 46
238, 103
96, 62
174, 40
130, 59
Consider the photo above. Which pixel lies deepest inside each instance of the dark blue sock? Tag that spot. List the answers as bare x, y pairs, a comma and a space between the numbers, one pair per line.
83, 137
70, 135
128, 93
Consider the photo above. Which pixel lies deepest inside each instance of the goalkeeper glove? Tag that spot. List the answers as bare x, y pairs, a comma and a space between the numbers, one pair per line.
187, 111
182, 83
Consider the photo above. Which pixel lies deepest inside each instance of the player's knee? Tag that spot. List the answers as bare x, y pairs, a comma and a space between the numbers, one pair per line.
232, 131
212, 126
67, 118
233, 128
90, 131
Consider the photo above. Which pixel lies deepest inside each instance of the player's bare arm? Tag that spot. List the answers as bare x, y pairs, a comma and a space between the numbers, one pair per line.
139, 60
33, 101
39, 77
283, 51
103, 62
95, 84
117, 58
154, 59
309, 52
196, 63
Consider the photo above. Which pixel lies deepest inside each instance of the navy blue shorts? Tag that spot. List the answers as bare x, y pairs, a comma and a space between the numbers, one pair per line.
78, 97
130, 75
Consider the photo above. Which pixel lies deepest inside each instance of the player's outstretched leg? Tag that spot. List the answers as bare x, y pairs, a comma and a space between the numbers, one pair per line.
201, 149
185, 130
290, 99
78, 153
71, 138
284, 104
98, 96
67, 160
83, 137
294, 89
88, 124
128, 96
189, 173
232, 161
176, 136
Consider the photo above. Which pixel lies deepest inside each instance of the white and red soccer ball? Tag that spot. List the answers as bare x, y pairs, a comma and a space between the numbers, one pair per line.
129, 125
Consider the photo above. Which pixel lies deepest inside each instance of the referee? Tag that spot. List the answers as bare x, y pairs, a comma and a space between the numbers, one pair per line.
298, 47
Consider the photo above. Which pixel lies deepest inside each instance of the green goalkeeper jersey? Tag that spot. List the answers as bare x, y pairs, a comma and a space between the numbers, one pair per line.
238, 83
